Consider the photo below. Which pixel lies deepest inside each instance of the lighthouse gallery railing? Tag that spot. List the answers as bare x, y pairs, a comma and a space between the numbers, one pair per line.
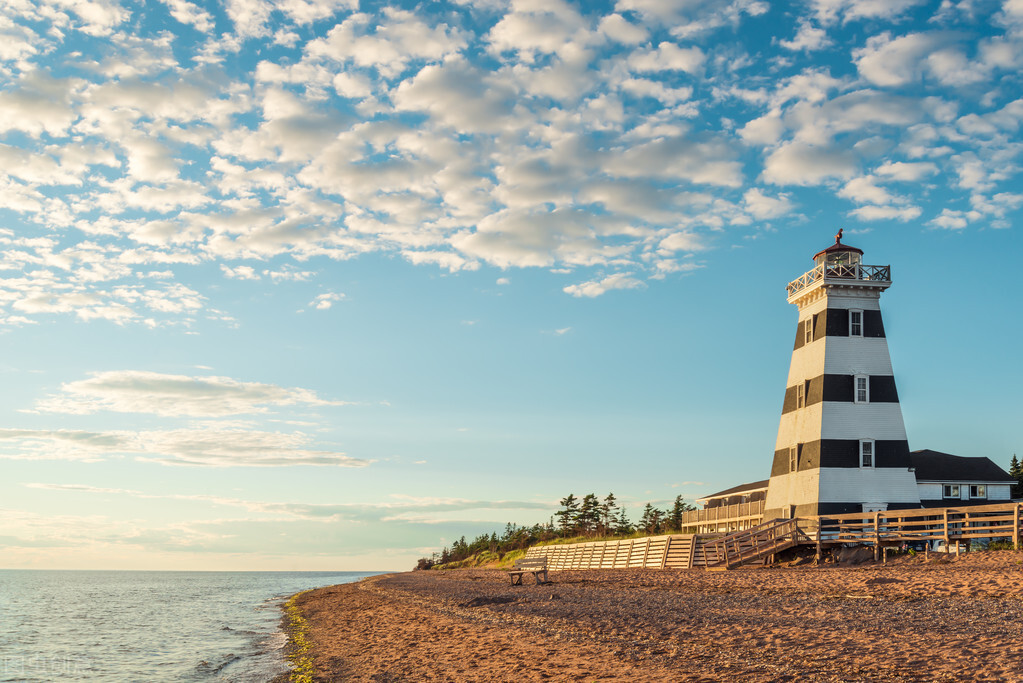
840, 272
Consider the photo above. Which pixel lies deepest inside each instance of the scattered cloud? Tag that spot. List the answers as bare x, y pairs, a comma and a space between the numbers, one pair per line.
135, 391
507, 134
595, 288
184, 447
326, 300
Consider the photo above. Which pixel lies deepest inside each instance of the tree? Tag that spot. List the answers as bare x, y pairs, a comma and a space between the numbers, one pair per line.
589, 514
652, 520
678, 511
567, 515
623, 527
607, 513
1016, 472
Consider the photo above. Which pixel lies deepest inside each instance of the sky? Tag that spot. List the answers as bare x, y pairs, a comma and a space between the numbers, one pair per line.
327, 284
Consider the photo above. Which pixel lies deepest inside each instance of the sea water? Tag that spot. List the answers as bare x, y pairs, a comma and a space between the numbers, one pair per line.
147, 626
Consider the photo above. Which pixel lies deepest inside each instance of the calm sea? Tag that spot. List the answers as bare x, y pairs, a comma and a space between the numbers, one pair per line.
147, 626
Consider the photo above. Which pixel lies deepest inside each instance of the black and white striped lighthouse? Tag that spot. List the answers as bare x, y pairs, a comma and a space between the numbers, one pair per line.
842, 443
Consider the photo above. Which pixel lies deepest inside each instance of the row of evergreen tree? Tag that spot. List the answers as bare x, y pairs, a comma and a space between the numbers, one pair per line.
588, 517
1016, 471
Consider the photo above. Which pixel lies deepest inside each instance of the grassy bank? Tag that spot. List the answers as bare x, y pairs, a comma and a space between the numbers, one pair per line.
299, 642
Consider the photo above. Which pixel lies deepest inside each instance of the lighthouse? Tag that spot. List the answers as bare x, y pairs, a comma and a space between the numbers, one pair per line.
841, 443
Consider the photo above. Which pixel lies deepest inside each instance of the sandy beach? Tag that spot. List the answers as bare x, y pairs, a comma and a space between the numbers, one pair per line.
914, 619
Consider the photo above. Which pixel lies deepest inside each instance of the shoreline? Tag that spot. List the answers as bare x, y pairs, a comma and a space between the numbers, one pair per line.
914, 619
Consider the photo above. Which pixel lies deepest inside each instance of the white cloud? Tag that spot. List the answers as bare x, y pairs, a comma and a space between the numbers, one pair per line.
829, 11
183, 447
537, 27
893, 62
874, 213
801, 164
951, 219
809, 38
323, 302
135, 391
865, 190
189, 13
907, 171
618, 28
395, 42
668, 57
240, 272
461, 96
763, 207
595, 288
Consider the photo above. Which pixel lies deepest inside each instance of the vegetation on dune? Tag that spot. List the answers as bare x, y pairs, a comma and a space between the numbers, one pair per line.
589, 519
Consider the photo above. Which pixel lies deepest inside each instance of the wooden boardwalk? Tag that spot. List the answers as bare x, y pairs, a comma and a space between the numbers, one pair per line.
756, 544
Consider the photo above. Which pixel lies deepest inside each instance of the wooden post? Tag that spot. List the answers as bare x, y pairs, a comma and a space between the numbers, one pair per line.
877, 536
820, 526
664, 557
947, 538
1015, 526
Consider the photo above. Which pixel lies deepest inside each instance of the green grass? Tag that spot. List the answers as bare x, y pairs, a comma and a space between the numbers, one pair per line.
300, 644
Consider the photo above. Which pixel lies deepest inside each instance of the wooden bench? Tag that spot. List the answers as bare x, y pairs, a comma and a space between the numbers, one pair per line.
537, 566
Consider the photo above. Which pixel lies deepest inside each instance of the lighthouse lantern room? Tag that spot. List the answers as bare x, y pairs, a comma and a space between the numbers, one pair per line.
841, 443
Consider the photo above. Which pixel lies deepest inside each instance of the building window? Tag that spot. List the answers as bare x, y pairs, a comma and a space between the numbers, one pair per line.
866, 453
978, 491
950, 491
861, 388
855, 323
808, 330
794, 454
801, 395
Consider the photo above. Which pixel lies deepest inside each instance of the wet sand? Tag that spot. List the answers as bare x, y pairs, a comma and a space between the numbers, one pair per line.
911, 620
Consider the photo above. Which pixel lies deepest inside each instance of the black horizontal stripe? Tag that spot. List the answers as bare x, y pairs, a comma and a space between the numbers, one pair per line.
834, 322
831, 387
842, 453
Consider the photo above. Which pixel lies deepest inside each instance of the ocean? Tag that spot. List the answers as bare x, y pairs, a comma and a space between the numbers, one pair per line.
147, 626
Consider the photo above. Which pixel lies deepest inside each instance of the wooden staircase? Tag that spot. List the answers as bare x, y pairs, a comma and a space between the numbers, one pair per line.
756, 543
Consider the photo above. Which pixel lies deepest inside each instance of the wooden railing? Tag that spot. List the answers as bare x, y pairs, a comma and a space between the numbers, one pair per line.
685, 551
995, 521
840, 272
756, 543
740, 512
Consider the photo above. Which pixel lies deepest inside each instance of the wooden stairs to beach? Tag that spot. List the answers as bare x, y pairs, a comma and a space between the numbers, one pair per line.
753, 544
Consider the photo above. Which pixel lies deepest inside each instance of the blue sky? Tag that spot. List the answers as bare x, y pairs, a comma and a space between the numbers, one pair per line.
326, 284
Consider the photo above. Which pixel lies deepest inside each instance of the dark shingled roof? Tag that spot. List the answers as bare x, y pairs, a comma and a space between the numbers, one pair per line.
837, 246
934, 466
735, 490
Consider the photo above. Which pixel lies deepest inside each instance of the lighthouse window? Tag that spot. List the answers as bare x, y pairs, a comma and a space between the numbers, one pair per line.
862, 389
855, 323
801, 395
808, 330
794, 454
866, 453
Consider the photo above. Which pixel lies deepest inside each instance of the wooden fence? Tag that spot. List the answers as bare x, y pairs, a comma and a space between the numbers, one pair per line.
685, 551
998, 521
676, 551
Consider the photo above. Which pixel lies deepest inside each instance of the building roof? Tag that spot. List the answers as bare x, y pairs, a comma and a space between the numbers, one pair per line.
736, 490
934, 466
837, 246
